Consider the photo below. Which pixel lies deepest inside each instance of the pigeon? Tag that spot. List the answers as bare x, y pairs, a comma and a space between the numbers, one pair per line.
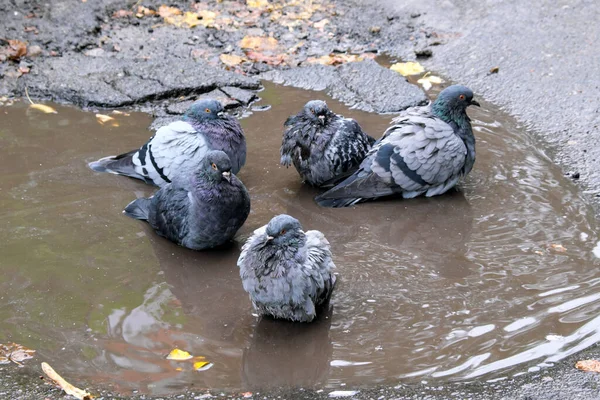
199, 211
179, 147
424, 152
323, 145
287, 273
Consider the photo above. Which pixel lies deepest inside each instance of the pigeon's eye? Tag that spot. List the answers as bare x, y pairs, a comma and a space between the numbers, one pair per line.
214, 166
208, 110
283, 231
312, 111
462, 97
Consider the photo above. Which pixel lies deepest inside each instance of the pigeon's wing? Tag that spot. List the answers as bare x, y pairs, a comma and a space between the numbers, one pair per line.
293, 129
168, 151
318, 267
246, 247
169, 212
348, 146
418, 154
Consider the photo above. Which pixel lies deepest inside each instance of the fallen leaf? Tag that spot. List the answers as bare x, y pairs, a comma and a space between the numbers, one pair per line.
31, 29
267, 59
200, 364
24, 70
540, 253
64, 385
103, 119
43, 108
247, 394
588, 365
179, 369
558, 247
429, 80
166, 11
117, 112
145, 11
231, 60
187, 20
260, 43
208, 17
14, 352
122, 14
336, 59
494, 70
408, 68
257, 3
179, 355
14, 50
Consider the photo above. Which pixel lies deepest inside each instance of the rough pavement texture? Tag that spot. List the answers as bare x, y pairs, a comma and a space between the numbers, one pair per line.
546, 52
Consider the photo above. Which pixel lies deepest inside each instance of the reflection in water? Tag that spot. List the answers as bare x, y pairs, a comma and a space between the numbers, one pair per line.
287, 354
496, 278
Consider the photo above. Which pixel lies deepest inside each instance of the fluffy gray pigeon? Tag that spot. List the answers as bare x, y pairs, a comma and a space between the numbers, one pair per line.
323, 145
288, 273
425, 151
199, 211
178, 147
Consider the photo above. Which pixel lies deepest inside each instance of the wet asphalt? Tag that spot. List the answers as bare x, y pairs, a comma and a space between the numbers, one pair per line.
546, 54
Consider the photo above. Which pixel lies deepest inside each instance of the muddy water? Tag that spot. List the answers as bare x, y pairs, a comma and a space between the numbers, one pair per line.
493, 280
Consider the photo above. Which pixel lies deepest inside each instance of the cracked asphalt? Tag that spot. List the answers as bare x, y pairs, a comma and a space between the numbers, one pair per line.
545, 52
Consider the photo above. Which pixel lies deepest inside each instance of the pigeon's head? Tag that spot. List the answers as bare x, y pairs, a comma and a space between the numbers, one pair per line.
204, 110
217, 166
284, 230
453, 101
317, 111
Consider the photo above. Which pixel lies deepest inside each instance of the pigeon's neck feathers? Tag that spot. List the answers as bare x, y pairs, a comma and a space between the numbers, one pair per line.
460, 122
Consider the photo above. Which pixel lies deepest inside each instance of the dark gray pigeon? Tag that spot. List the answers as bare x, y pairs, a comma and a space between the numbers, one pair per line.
425, 151
199, 211
179, 147
287, 272
323, 145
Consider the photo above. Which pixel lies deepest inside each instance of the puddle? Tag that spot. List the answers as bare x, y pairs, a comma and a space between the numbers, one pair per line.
497, 279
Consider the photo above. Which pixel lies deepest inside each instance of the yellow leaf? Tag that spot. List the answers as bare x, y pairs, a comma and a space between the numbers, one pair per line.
179, 355
43, 108
202, 365
257, 3
178, 369
258, 43
335, 59
408, 68
103, 119
231, 60
588, 365
189, 20
429, 80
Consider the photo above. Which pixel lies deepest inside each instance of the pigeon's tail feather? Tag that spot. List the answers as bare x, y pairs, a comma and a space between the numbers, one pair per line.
337, 203
138, 209
371, 140
120, 165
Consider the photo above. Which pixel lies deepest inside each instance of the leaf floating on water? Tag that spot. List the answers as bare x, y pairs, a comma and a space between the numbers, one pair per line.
588, 365
258, 43
558, 247
179, 355
231, 60
103, 119
43, 108
64, 385
14, 352
429, 80
202, 365
408, 68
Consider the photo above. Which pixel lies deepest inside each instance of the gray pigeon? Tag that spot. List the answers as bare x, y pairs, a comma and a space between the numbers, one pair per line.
199, 211
179, 147
425, 151
287, 272
323, 145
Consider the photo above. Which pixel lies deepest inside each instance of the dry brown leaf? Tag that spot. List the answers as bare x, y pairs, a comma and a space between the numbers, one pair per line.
43, 108
122, 14
336, 59
267, 59
588, 365
14, 50
64, 385
231, 60
166, 11
558, 247
260, 43
145, 11
14, 352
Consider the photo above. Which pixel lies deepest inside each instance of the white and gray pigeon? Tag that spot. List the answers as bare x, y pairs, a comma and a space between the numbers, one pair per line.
323, 145
287, 273
179, 147
424, 152
199, 211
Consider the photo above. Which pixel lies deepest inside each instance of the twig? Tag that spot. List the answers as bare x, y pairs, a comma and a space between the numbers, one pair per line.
27, 94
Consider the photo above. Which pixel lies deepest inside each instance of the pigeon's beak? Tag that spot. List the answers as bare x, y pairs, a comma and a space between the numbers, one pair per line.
321, 119
269, 238
227, 175
475, 103
220, 114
